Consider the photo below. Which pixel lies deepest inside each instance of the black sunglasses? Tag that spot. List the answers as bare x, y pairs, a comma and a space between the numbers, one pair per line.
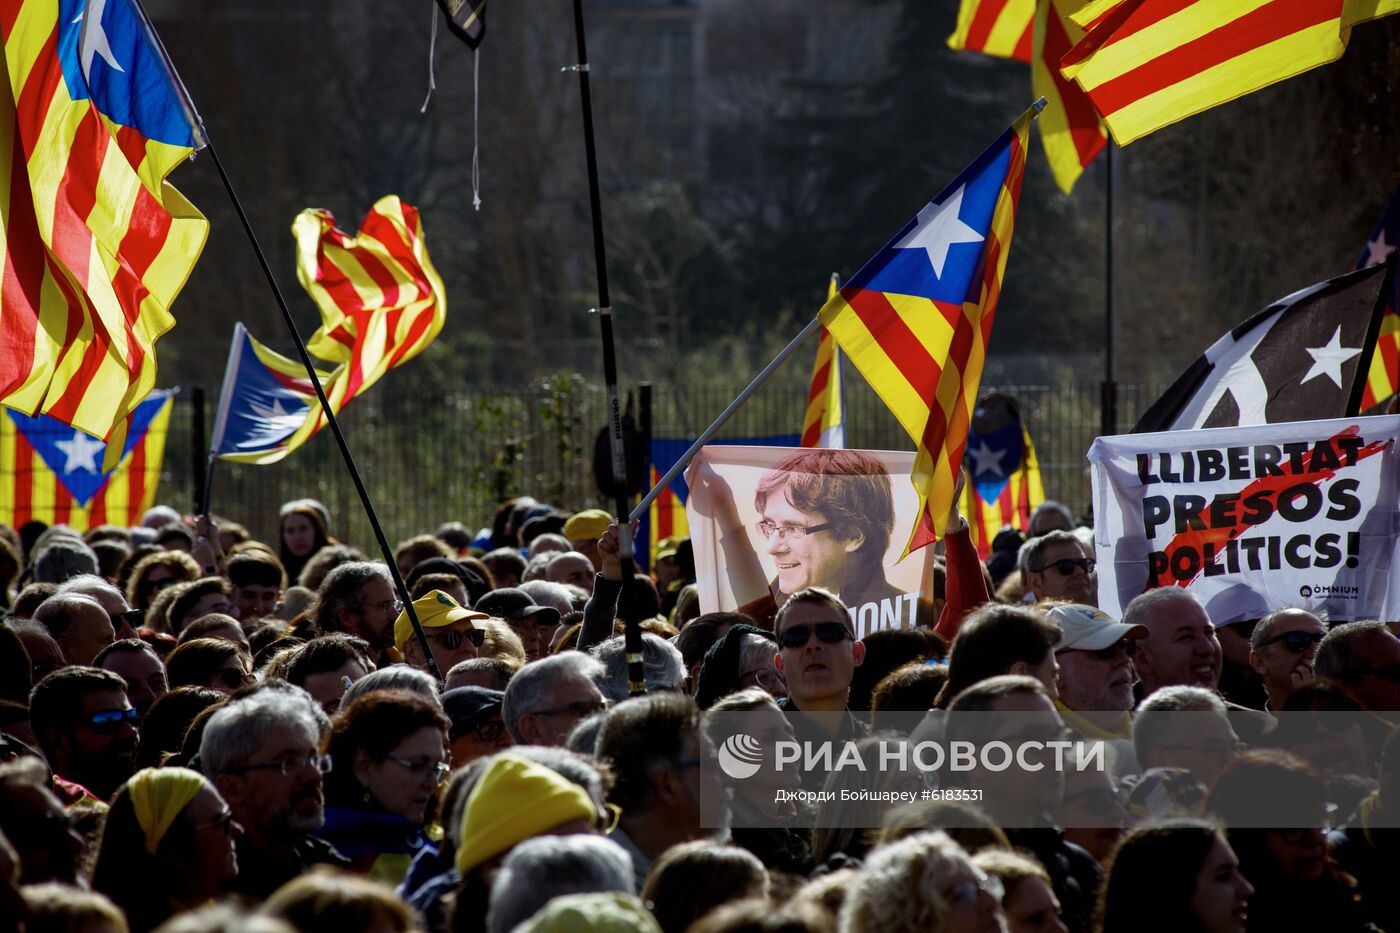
452, 639
829, 633
1296, 642
1065, 567
111, 720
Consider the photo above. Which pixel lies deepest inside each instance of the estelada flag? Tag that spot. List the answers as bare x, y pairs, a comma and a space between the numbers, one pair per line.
96, 244
52, 472
265, 400
823, 424
1383, 380
917, 317
1004, 485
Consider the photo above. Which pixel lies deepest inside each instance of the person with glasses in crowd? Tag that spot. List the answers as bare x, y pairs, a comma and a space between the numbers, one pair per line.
262, 752
357, 598
454, 633
665, 779
213, 663
137, 663
548, 697
388, 752
1056, 567
167, 846
477, 728
817, 657
87, 731
1282, 651
924, 883
1095, 677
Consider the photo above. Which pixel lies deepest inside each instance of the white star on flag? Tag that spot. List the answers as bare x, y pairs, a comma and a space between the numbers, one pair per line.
274, 412
81, 451
937, 228
1328, 360
986, 460
94, 39
1378, 249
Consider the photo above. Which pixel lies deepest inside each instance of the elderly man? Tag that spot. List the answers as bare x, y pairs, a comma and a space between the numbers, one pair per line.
79, 624
86, 729
261, 753
1282, 651
453, 633
657, 752
547, 698
1181, 647
1095, 677
1185, 727
358, 598
1363, 658
111, 599
663, 666
583, 529
477, 728
1057, 568
571, 568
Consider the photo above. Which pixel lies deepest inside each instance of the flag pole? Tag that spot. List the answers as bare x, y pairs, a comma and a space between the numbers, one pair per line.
724, 416
340, 441
632, 633
1109, 395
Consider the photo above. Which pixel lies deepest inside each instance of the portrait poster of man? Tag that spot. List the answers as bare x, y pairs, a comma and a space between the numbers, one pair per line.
768, 521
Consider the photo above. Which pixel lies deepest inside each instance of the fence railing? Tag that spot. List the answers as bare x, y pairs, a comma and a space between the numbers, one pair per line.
427, 459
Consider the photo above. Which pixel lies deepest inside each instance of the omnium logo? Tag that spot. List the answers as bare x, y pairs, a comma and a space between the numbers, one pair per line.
740, 756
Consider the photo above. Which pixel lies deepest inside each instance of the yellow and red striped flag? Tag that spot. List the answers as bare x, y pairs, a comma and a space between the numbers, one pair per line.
1000, 28
1383, 378
823, 424
1070, 128
916, 319
51, 472
1149, 63
381, 300
96, 244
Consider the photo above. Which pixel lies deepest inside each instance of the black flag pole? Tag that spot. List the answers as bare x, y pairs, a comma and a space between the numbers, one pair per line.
340, 441
632, 632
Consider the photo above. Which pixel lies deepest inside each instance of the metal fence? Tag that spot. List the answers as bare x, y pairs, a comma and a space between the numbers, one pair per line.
430, 458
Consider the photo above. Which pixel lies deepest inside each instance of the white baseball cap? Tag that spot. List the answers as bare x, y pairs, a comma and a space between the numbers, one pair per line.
1085, 628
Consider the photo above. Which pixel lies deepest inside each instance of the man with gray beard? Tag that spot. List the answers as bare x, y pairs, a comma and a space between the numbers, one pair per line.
261, 753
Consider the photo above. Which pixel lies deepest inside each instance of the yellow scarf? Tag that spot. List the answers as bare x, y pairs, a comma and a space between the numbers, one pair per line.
158, 795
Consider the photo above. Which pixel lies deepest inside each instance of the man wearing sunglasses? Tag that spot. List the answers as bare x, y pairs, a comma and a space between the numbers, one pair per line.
1282, 650
454, 633
86, 729
1058, 568
1095, 678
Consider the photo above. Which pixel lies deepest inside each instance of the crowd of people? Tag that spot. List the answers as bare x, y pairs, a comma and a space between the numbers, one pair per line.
201, 731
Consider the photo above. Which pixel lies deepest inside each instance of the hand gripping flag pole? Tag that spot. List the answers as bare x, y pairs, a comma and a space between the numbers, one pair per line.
329, 412
632, 632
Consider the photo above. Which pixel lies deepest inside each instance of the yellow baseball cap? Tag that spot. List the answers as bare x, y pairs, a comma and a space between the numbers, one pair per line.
435, 609
587, 525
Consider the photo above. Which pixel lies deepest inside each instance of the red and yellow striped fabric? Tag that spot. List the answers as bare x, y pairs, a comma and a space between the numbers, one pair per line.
1150, 63
30, 490
96, 245
666, 520
822, 425
1001, 28
1385, 364
1070, 128
916, 319
1023, 491
380, 298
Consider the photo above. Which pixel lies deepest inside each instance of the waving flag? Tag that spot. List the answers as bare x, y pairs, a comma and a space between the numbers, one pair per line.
467, 18
1005, 485
96, 244
917, 317
1303, 358
265, 400
1384, 378
53, 473
380, 298
822, 426
1070, 128
1000, 28
1149, 63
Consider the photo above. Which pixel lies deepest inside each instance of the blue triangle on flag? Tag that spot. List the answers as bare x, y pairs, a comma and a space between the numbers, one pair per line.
75, 456
992, 458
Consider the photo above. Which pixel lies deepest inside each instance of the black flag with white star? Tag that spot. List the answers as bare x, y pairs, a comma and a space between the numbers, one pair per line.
1303, 358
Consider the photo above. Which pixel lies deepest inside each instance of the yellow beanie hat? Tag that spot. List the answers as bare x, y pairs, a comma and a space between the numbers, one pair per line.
513, 801
158, 795
587, 525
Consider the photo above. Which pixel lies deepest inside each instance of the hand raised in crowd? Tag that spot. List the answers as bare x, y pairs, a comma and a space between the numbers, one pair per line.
206, 549
609, 552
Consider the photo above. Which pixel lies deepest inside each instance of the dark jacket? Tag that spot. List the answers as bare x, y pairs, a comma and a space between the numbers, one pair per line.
259, 874
1074, 875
